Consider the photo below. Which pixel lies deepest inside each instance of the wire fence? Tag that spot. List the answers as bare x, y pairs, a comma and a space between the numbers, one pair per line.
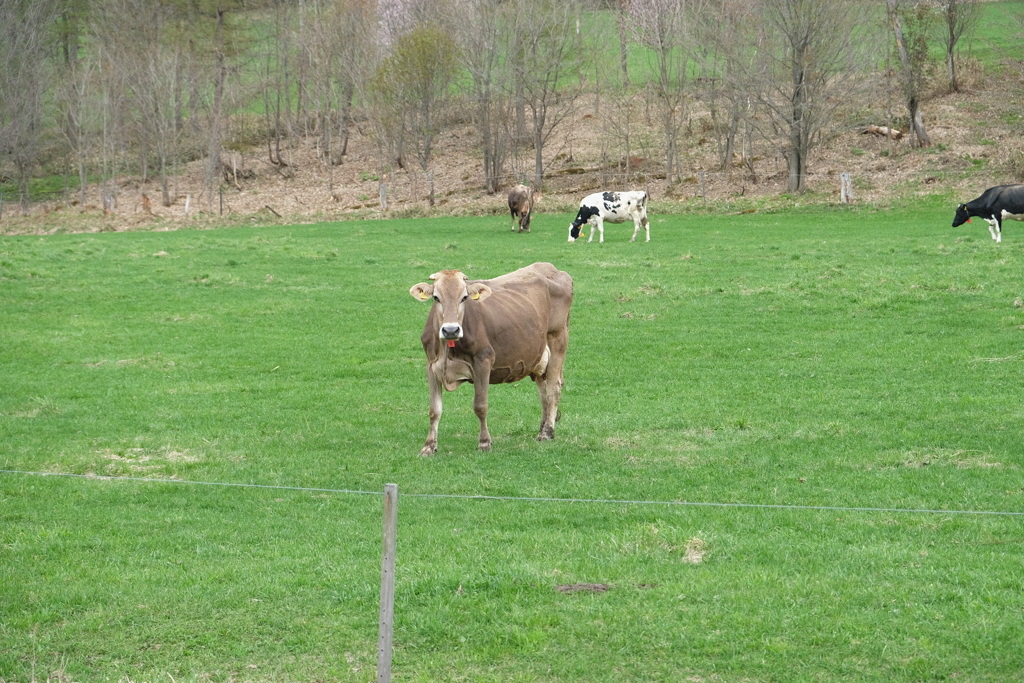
529, 499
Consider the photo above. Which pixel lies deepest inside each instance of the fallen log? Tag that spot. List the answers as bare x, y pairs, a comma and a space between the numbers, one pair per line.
883, 131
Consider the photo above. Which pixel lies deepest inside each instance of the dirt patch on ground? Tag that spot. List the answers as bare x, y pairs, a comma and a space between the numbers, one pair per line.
977, 143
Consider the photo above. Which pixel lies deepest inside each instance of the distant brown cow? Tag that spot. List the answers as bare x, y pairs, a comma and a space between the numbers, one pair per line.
520, 203
496, 331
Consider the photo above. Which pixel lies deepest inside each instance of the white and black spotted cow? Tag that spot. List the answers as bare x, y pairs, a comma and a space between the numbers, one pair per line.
614, 207
995, 205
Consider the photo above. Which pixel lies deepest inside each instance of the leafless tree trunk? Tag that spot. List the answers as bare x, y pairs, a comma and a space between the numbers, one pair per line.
913, 53
810, 67
142, 41
547, 41
659, 25
280, 61
959, 19
618, 126
483, 57
78, 109
725, 33
216, 114
24, 36
621, 19
424, 64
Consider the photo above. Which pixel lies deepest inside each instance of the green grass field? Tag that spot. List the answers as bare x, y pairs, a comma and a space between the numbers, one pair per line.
839, 385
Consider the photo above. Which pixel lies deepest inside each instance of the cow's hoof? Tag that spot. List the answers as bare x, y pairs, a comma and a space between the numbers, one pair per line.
546, 435
485, 447
428, 451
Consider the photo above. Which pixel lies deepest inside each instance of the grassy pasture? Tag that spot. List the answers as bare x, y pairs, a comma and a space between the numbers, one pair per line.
828, 358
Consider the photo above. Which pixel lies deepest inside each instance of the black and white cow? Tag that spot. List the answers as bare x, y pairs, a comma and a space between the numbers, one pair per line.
995, 205
614, 207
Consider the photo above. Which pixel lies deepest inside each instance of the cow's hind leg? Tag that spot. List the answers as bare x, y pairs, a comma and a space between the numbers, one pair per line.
549, 387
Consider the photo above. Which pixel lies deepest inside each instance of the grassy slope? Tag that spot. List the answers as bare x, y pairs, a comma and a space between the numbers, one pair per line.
825, 358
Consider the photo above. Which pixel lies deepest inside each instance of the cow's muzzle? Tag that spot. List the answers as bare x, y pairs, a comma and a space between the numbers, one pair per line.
451, 331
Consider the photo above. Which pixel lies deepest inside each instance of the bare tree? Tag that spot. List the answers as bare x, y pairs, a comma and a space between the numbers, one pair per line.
619, 127
621, 25
142, 41
480, 37
215, 48
281, 81
808, 66
24, 46
215, 129
658, 25
724, 53
959, 18
76, 103
421, 71
334, 38
910, 27
547, 44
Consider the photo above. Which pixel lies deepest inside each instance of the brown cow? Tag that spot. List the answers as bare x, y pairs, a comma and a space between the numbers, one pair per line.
520, 204
495, 331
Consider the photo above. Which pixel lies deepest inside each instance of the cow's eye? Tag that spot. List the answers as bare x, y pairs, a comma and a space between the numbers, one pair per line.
437, 298
464, 297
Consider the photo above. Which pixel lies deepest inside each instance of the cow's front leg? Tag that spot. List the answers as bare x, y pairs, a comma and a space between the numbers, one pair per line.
480, 408
993, 228
430, 446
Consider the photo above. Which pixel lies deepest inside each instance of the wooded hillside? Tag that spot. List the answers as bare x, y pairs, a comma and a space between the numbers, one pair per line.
172, 108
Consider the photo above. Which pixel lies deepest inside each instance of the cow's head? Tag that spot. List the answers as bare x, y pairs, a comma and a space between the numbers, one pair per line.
583, 217
450, 291
961, 216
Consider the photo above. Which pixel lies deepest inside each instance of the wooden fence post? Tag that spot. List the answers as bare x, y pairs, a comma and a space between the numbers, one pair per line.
845, 188
387, 584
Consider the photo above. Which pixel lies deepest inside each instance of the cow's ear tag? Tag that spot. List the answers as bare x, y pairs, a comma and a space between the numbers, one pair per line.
475, 296
968, 220
423, 295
